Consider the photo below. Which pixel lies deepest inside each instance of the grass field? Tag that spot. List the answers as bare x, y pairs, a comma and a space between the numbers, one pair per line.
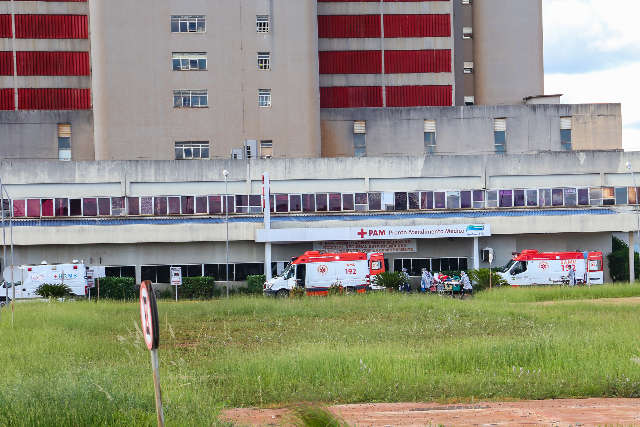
81, 363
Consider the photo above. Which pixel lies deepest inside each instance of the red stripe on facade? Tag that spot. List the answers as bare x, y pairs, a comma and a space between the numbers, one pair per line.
52, 27
53, 63
5, 26
349, 26
6, 63
6, 99
351, 62
351, 97
75, 1
396, 26
417, 61
419, 96
54, 99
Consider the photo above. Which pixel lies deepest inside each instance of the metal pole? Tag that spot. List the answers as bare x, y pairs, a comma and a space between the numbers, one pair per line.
13, 286
156, 385
4, 245
226, 210
632, 249
176, 293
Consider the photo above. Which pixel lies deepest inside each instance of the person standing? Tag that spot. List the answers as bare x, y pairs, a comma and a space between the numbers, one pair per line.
572, 276
467, 287
424, 281
405, 281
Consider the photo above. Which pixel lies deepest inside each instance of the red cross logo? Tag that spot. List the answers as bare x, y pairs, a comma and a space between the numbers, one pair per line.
362, 233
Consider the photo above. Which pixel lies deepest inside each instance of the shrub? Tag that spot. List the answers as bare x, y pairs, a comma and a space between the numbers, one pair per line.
389, 279
197, 288
255, 283
619, 261
336, 289
297, 292
119, 288
480, 279
47, 290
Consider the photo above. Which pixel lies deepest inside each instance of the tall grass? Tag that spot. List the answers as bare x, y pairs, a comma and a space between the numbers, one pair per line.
83, 363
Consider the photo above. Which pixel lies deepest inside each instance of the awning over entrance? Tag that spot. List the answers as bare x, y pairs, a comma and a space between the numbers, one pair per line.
372, 233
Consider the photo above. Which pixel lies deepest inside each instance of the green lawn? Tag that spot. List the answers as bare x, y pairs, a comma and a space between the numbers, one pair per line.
81, 363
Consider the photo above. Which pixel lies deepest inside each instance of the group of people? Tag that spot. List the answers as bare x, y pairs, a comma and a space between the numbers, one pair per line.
436, 283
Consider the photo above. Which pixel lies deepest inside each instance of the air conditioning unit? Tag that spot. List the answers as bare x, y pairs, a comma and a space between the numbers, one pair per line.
487, 255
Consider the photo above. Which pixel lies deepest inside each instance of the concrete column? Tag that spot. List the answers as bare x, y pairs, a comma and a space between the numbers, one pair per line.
476, 254
267, 260
138, 274
631, 258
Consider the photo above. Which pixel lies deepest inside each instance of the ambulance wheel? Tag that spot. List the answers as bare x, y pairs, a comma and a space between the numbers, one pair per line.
282, 293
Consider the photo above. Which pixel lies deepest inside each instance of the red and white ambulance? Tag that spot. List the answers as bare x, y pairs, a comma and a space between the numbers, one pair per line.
531, 267
317, 272
29, 277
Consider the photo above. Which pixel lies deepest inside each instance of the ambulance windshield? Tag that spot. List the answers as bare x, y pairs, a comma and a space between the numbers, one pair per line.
288, 272
508, 266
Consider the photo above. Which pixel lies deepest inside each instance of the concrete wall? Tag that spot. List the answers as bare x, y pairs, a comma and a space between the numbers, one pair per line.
34, 134
32, 178
469, 130
508, 50
133, 78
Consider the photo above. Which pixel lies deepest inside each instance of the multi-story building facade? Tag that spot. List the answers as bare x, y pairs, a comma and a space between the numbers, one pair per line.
187, 79
45, 80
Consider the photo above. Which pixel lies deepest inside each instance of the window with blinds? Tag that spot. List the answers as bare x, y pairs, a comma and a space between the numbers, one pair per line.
64, 141
500, 135
566, 125
429, 136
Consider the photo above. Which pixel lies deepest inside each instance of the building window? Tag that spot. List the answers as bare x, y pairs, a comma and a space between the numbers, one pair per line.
467, 32
64, 141
190, 98
429, 136
264, 97
192, 150
262, 23
468, 67
189, 61
469, 100
467, 1
360, 138
500, 135
266, 149
264, 60
566, 123
188, 23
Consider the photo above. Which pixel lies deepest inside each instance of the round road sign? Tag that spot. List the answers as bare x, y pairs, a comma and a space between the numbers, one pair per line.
149, 315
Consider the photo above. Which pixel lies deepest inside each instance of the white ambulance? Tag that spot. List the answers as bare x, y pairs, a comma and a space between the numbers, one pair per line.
29, 277
317, 272
531, 267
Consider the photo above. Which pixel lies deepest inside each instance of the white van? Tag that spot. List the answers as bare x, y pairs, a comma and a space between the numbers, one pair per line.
317, 272
548, 268
29, 277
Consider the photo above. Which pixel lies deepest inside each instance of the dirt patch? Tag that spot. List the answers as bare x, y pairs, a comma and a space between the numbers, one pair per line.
566, 412
613, 301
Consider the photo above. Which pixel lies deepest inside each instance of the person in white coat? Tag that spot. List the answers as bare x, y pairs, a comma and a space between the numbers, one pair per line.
572, 276
426, 281
467, 287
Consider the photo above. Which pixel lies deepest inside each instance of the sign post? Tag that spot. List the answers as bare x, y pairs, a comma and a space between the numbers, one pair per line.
98, 272
176, 278
91, 283
151, 332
